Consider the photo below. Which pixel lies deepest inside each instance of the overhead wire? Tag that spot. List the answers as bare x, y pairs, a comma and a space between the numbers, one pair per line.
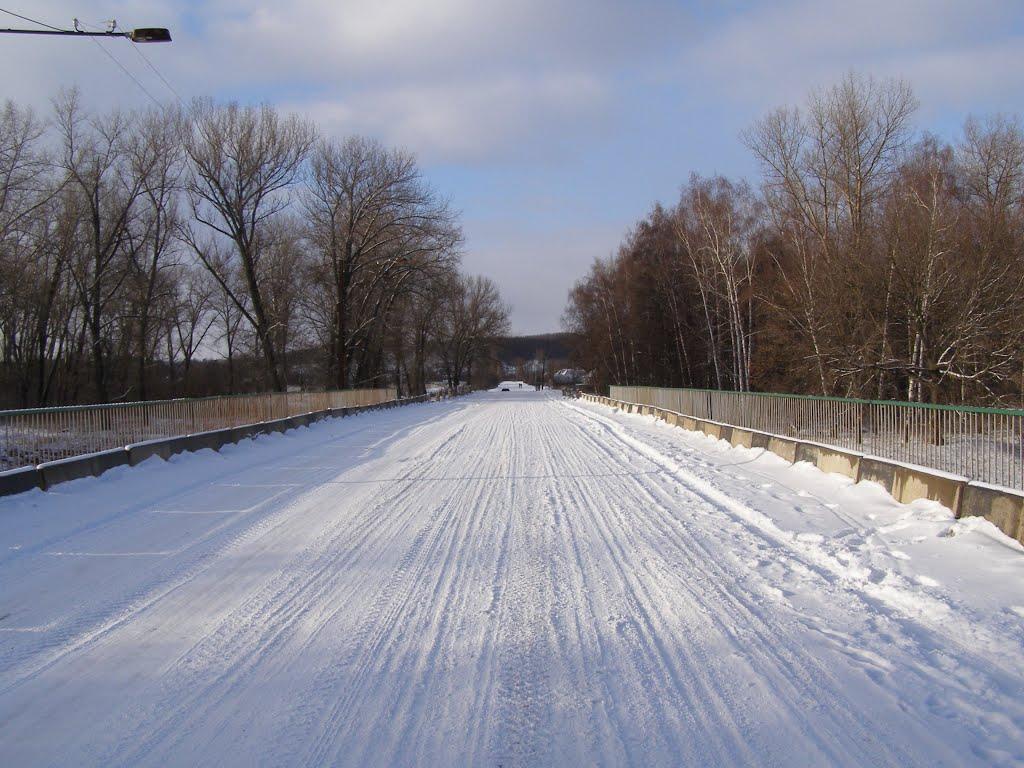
157, 72
122, 67
32, 21
107, 53
148, 62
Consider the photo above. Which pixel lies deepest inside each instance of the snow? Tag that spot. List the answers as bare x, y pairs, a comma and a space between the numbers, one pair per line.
502, 580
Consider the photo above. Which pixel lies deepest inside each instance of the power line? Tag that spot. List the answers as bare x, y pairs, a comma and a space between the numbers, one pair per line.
122, 67
125, 70
101, 47
33, 21
157, 72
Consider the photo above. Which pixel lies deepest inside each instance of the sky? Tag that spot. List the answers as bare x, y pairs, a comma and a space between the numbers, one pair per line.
552, 125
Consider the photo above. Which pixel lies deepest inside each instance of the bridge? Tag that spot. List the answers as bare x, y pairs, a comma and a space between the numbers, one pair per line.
505, 579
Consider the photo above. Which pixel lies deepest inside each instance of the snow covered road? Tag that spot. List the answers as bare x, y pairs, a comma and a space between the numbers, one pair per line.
508, 579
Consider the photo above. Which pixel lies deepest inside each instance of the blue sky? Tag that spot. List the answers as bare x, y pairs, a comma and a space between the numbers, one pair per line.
551, 125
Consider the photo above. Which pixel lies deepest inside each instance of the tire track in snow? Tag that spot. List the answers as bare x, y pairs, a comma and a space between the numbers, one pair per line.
885, 734
641, 626
760, 641
212, 669
520, 720
378, 626
513, 583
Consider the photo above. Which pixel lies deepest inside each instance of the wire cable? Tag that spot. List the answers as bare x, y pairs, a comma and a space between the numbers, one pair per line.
101, 47
121, 66
125, 70
33, 21
156, 71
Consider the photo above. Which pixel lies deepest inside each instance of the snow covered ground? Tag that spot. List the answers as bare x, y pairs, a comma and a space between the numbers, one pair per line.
506, 579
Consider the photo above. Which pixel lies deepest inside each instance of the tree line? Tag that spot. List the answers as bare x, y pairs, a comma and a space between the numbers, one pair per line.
221, 248
873, 260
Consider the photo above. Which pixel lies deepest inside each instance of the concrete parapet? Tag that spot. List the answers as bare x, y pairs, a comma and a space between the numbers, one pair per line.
19, 480
912, 483
139, 452
1004, 507
50, 473
828, 458
759, 439
247, 431
742, 438
90, 465
878, 471
714, 429
784, 447
1001, 506
214, 440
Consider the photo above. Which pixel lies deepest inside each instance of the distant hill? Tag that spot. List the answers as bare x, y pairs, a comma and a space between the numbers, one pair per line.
555, 346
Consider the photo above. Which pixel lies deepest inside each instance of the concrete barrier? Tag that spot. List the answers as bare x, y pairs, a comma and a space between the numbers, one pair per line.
912, 483
759, 439
714, 429
214, 440
139, 452
53, 472
709, 428
20, 480
90, 465
1003, 507
247, 431
878, 471
742, 438
828, 458
784, 447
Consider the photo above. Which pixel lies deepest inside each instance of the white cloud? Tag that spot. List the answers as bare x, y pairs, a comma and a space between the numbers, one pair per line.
465, 121
415, 39
777, 52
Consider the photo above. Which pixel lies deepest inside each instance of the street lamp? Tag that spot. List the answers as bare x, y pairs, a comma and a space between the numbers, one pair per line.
143, 35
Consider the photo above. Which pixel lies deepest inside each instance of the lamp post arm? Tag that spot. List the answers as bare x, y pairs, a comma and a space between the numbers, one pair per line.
148, 35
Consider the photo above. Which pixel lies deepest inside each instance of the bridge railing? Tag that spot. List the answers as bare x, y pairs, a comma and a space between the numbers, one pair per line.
982, 444
33, 436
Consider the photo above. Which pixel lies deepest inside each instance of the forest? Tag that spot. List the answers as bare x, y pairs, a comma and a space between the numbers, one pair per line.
872, 259
223, 248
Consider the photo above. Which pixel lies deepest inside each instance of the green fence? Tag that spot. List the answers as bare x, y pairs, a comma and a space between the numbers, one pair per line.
35, 435
982, 444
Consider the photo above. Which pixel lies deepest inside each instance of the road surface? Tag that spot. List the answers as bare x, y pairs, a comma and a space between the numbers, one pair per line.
508, 579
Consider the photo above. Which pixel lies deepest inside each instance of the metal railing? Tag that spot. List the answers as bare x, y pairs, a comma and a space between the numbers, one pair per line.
35, 435
982, 444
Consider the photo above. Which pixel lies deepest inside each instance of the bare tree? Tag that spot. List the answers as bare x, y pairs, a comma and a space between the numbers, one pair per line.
473, 318
157, 157
373, 222
824, 173
243, 160
94, 158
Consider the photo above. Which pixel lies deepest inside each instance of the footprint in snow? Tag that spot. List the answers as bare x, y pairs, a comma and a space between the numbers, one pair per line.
810, 538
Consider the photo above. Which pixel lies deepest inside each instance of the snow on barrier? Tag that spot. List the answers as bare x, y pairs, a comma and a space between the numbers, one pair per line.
33, 436
966, 497
50, 473
982, 444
